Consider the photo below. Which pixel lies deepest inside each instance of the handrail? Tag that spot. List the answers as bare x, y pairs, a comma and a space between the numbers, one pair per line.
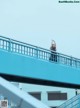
35, 51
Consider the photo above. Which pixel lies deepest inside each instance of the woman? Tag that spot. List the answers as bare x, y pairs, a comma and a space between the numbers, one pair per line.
53, 56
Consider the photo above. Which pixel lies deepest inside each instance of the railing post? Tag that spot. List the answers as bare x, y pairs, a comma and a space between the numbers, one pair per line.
58, 57
9, 45
75, 63
36, 52
71, 61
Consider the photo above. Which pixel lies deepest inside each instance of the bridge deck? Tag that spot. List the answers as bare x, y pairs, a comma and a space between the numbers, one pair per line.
27, 63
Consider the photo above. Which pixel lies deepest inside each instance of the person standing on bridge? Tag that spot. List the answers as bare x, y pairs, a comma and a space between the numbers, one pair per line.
53, 56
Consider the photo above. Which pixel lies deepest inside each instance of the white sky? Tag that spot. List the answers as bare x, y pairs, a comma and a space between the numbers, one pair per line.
39, 21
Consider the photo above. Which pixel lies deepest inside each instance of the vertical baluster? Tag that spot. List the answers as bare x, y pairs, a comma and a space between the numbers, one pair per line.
9, 43
3, 44
79, 64
58, 57
75, 63
37, 52
12, 47
15, 47
6, 45
24, 50
18, 47
65, 60
32, 51
44, 54
21, 49
41, 54
71, 61
27, 50
49, 56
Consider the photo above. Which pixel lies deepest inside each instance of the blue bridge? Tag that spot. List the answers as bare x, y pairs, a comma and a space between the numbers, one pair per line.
23, 62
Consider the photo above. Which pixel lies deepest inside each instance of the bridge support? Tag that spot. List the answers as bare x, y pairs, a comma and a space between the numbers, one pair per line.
20, 98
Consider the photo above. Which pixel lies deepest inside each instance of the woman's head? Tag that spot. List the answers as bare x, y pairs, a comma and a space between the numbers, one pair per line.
53, 43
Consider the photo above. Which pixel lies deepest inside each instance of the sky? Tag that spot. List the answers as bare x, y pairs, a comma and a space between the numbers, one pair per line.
38, 22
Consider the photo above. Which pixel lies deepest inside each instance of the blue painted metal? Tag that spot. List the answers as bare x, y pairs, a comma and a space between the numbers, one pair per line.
71, 103
38, 52
22, 59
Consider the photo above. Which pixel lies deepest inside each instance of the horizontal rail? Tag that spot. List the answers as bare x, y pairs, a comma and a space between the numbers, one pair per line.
12, 45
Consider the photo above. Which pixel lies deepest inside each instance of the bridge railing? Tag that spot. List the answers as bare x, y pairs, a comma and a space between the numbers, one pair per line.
12, 45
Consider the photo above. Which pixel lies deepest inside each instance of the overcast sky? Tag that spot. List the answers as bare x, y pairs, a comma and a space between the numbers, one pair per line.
39, 21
